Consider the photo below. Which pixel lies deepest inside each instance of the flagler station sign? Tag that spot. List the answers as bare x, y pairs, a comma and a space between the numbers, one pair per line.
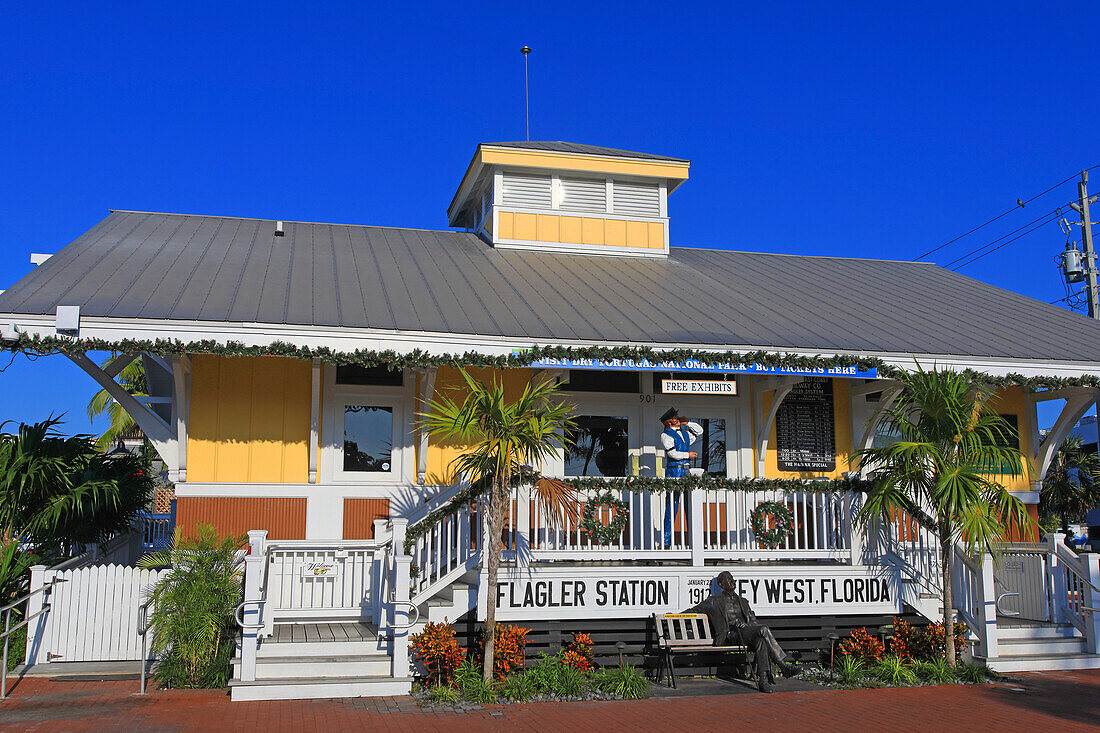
626, 593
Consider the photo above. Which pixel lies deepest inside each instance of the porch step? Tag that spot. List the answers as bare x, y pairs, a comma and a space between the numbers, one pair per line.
1042, 662
331, 666
1007, 630
308, 688
1041, 646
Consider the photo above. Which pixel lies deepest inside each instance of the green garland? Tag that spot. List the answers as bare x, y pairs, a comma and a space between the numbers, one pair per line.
598, 532
780, 514
42, 345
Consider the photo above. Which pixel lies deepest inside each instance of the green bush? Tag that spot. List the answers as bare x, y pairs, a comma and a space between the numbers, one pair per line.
466, 673
443, 694
552, 676
479, 691
971, 672
937, 672
894, 671
626, 682
17, 645
194, 605
850, 670
519, 687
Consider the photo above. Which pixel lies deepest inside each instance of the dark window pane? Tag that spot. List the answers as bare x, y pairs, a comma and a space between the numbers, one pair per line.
597, 447
381, 376
368, 435
602, 380
711, 446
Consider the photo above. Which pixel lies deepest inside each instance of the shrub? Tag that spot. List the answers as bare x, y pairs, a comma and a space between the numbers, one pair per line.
850, 671
893, 670
626, 682
509, 651
971, 672
477, 690
861, 645
437, 651
466, 673
519, 687
553, 676
925, 643
443, 694
578, 654
570, 682
194, 605
938, 672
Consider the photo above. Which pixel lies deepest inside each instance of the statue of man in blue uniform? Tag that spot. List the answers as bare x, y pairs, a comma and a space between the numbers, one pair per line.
678, 436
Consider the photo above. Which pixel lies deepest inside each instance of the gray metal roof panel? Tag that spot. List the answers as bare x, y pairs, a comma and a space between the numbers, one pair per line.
558, 146
175, 266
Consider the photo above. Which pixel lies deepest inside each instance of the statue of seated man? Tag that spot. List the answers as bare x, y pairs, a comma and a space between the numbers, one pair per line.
733, 622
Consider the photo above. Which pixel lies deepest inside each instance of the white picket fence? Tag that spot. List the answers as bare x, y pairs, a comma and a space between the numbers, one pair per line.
93, 614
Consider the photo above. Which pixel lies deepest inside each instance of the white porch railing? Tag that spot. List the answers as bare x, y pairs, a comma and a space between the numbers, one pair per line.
445, 552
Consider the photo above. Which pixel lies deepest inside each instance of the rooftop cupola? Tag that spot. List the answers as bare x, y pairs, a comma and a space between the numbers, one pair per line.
568, 197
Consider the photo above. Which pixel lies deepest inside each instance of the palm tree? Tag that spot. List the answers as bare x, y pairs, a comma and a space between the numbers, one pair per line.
505, 440
942, 469
1071, 486
131, 379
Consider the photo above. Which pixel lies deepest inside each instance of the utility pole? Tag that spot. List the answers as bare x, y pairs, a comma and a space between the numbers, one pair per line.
1082, 208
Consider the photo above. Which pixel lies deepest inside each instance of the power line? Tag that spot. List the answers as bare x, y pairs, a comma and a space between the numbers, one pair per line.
1044, 218
1001, 216
1049, 220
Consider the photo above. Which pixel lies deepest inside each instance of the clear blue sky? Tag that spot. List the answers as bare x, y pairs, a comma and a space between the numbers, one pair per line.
857, 129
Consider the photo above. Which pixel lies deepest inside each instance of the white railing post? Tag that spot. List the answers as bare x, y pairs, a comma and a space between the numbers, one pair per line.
696, 503
400, 603
986, 607
257, 540
1057, 582
523, 525
35, 628
252, 614
1090, 562
852, 529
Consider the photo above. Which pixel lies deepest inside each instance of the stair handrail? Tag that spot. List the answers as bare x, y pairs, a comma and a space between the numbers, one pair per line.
1072, 561
437, 501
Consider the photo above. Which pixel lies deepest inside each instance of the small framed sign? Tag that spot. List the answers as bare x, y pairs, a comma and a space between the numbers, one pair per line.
698, 386
320, 570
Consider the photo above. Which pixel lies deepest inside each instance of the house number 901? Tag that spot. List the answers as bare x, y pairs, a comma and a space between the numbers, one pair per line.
646, 397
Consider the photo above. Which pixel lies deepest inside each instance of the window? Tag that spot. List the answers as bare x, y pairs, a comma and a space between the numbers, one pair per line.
526, 192
583, 194
602, 380
636, 199
368, 438
355, 374
711, 446
597, 446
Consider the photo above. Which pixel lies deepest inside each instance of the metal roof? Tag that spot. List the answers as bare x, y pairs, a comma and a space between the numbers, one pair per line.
208, 268
557, 146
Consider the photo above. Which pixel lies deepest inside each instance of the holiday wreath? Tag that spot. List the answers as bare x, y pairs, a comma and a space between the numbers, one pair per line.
598, 532
781, 520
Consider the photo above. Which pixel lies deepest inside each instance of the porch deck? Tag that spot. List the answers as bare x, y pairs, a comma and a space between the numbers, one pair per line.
304, 633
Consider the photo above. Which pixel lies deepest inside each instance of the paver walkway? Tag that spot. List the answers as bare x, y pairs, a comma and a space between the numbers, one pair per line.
1039, 701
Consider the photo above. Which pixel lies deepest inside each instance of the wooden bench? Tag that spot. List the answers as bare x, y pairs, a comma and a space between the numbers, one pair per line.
685, 633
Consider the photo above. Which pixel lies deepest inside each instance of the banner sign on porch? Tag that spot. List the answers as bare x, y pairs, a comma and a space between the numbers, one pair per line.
691, 365
807, 592
320, 569
698, 386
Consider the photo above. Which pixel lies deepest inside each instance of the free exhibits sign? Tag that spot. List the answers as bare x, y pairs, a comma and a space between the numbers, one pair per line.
691, 365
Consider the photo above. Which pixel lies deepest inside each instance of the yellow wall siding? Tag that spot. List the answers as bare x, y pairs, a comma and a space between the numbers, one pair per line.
586, 230
1011, 401
842, 432
249, 420
448, 382
676, 171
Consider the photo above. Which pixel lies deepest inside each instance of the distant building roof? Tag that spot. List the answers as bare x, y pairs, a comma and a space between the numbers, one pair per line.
557, 146
136, 265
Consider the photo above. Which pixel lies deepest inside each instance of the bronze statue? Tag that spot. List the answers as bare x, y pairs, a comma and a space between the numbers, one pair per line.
732, 620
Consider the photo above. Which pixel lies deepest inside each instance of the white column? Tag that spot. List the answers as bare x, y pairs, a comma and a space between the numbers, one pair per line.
1056, 568
252, 615
695, 502
987, 609
1091, 562
257, 539
523, 525
400, 608
852, 528
37, 626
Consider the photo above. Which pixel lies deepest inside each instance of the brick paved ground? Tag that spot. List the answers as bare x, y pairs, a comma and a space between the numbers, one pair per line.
1047, 701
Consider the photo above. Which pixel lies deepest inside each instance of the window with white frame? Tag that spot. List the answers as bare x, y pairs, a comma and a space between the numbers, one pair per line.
365, 435
598, 445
